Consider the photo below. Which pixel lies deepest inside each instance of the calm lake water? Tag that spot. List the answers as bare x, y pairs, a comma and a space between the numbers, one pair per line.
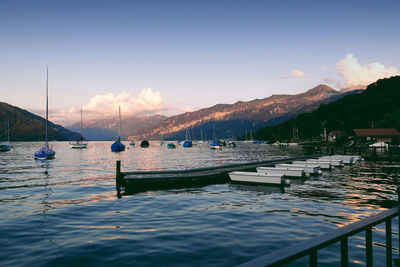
65, 211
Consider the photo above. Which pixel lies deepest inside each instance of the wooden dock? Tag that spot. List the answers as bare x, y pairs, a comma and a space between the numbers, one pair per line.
139, 181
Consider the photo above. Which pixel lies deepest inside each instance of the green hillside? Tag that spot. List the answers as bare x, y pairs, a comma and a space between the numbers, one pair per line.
379, 105
25, 126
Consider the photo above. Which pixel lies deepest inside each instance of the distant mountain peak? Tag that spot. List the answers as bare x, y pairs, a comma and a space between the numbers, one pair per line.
321, 88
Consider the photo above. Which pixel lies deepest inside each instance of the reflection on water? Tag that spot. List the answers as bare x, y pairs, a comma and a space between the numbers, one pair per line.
259, 188
66, 212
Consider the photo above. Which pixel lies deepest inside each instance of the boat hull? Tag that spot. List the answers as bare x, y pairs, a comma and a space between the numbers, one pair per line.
187, 143
307, 169
78, 145
282, 171
256, 178
144, 144
323, 165
45, 152
117, 146
5, 148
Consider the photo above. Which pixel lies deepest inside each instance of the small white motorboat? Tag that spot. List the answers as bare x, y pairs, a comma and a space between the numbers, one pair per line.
310, 169
334, 162
324, 165
78, 144
258, 178
307, 165
346, 159
290, 172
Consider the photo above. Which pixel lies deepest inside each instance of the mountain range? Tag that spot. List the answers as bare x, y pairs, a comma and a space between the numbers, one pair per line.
221, 120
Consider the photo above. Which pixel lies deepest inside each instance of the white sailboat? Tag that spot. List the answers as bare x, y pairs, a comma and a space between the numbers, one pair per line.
45, 152
79, 143
162, 140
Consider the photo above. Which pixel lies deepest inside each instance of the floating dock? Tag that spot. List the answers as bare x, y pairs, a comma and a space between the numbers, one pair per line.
138, 181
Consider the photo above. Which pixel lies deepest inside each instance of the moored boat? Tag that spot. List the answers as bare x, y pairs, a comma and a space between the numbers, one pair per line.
310, 169
117, 146
46, 152
79, 143
323, 164
257, 178
188, 141
144, 144
6, 145
289, 172
215, 144
171, 145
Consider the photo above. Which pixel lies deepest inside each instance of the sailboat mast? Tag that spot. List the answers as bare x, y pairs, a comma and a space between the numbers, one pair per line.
8, 127
214, 137
81, 124
47, 99
119, 107
5, 130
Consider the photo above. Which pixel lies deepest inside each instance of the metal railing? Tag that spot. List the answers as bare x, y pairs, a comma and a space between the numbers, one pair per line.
311, 246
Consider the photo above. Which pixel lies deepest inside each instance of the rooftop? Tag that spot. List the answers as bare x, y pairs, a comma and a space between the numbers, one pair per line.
377, 132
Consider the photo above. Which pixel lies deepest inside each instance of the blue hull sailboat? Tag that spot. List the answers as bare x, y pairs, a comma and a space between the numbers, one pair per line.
45, 152
216, 144
6, 146
187, 142
117, 146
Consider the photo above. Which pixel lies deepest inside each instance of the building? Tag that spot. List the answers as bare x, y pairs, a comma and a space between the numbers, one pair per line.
377, 134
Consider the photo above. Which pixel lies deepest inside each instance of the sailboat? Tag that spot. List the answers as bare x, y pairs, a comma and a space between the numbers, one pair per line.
45, 152
79, 143
6, 146
117, 145
201, 141
187, 142
216, 144
162, 140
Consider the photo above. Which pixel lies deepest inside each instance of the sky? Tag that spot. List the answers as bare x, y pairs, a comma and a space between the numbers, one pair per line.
169, 57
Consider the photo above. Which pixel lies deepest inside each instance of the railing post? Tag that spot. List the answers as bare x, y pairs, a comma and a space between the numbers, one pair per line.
368, 246
118, 175
344, 252
389, 242
398, 224
313, 258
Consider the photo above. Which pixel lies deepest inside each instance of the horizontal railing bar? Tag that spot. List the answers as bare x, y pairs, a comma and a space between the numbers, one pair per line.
301, 249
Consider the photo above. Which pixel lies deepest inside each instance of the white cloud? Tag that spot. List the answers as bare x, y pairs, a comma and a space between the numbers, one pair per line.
358, 76
147, 101
295, 74
106, 105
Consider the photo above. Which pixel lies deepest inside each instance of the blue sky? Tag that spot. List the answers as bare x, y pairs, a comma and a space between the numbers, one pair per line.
171, 56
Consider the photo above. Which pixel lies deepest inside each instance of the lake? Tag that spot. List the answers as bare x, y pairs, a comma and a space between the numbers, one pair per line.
65, 211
